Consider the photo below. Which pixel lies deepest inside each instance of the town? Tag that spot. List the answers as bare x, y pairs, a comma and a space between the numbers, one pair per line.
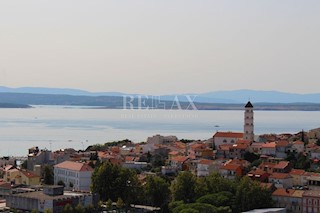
167, 174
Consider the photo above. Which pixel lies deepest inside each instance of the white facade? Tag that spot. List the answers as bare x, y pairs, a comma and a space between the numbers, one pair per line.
226, 138
204, 168
248, 122
73, 176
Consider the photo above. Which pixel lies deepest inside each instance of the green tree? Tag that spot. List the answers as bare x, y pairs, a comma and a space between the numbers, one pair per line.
67, 209
112, 181
47, 211
184, 187
48, 175
189, 210
217, 199
120, 204
200, 207
216, 183
61, 183
70, 184
79, 209
250, 195
89, 208
34, 211
156, 191
109, 204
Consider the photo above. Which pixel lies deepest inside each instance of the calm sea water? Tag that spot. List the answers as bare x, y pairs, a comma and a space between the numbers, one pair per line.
63, 127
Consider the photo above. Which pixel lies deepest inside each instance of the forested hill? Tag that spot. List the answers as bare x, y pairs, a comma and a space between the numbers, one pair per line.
23, 100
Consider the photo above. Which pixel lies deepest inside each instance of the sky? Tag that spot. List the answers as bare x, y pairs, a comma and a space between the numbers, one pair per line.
161, 47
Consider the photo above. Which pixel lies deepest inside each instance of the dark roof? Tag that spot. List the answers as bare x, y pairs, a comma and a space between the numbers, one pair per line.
249, 105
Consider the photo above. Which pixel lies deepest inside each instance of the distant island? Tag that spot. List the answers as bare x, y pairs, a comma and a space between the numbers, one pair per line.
24, 100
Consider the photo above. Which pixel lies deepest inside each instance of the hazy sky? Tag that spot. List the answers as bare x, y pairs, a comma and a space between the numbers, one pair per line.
161, 47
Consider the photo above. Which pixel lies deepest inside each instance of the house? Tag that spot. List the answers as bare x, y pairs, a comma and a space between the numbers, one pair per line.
311, 201
231, 171
27, 178
298, 146
220, 138
281, 149
10, 173
238, 150
258, 175
179, 163
298, 177
282, 167
314, 182
269, 149
150, 146
288, 198
205, 167
224, 151
203, 153
256, 147
281, 180
315, 153
173, 154
75, 175
267, 167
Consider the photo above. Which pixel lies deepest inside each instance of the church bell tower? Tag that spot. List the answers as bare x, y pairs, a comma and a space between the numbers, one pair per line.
248, 122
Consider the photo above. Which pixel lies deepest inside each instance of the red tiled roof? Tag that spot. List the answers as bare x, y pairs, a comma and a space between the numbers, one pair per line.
281, 165
173, 153
297, 172
229, 135
240, 146
298, 142
231, 167
243, 141
205, 161
197, 146
180, 159
283, 192
240, 162
180, 145
129, 158
257, 172
277, 175
282, 143
269, 145
75, 166
225, 147
267, 164
29, 174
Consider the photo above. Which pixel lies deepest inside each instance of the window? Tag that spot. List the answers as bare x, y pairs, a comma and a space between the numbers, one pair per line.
224, 141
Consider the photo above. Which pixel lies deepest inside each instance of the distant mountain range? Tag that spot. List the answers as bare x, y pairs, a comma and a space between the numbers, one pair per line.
229, 97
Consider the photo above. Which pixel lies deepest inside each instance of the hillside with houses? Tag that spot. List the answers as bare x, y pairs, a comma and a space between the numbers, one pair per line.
285, 168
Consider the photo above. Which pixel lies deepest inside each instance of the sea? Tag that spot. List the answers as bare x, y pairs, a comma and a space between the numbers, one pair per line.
60, 127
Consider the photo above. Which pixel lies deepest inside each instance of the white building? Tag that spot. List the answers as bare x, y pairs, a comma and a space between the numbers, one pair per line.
204, 167
248, 122
226, 138
75, 175
153, 141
